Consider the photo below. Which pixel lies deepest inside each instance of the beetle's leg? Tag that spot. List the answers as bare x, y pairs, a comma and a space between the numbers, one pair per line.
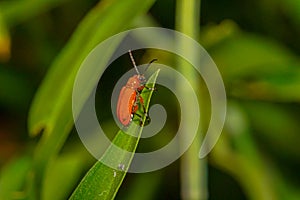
140, 89
141, 100
134, 109
148, 120
135, 106
149, 88
140, 118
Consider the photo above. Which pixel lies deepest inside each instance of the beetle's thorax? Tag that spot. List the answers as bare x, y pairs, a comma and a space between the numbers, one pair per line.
136, 81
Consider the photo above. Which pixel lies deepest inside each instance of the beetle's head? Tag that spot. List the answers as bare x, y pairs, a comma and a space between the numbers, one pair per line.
136, 81
142, 78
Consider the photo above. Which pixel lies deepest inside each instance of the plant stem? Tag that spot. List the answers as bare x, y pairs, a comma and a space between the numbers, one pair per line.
193, 170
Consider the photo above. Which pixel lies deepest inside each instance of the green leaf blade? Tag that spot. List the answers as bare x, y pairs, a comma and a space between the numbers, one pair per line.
51, 109
103, 182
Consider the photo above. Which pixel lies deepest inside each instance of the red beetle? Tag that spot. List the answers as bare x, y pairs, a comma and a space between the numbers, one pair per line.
129, 97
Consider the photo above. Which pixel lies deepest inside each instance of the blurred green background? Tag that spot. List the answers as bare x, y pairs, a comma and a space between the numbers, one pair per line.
255, 44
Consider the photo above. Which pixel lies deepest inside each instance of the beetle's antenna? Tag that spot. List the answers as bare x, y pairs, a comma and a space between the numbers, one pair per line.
150, 63
133, 62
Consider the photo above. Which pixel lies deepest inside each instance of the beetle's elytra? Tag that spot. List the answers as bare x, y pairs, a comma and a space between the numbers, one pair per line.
129, 98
